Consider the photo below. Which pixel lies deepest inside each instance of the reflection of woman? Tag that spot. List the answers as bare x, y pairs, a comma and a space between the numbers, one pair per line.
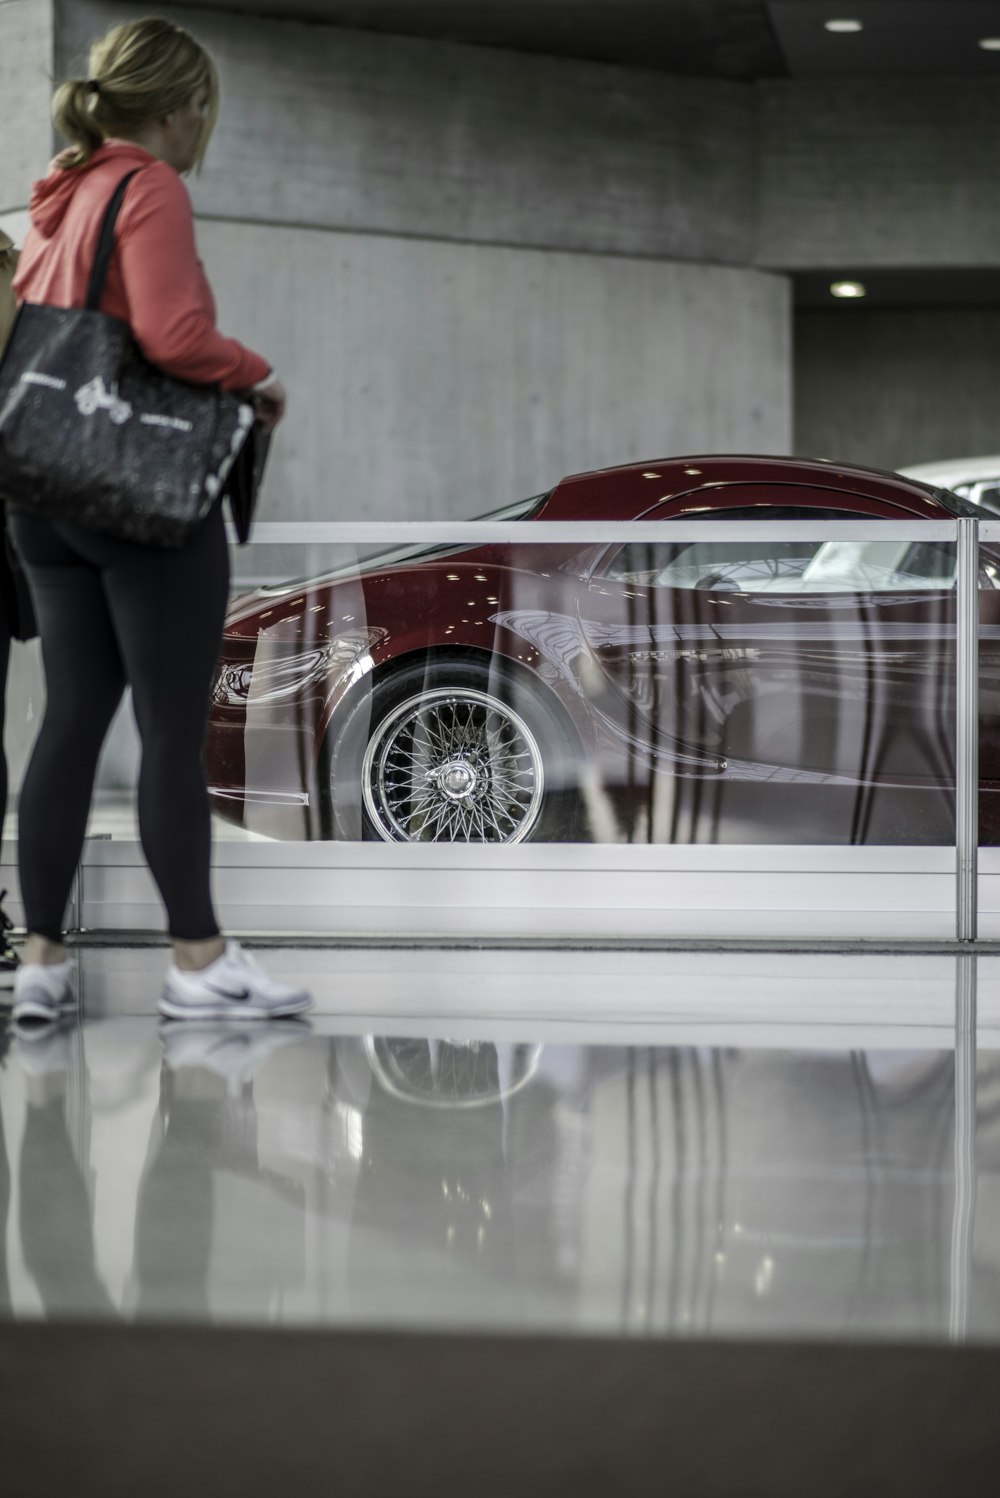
204, 1191
17, 620
110, 612
56, 1213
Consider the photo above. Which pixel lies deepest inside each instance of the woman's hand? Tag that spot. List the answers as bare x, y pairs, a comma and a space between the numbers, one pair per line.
269, 401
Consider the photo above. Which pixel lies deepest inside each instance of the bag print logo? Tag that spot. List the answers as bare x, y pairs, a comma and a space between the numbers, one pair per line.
174, 423
95, 396
35, 377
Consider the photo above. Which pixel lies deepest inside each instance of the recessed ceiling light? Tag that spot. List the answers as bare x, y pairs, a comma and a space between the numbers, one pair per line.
847, 290
843, 27
990, 43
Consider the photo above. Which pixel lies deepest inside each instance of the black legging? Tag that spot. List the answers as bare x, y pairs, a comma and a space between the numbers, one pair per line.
110, 613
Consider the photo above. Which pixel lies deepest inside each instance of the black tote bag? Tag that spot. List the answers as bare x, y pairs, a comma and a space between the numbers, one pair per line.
91, 432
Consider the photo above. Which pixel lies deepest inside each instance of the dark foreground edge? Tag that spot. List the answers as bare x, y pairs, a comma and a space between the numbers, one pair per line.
168, 1410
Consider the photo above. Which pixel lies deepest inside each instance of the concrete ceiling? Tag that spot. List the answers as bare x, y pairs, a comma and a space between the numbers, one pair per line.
735, 39
710, 38
888, 289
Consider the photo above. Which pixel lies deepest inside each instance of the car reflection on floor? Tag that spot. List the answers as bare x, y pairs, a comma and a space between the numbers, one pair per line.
289, 1175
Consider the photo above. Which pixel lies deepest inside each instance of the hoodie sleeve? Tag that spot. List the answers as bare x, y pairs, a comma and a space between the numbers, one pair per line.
171, 308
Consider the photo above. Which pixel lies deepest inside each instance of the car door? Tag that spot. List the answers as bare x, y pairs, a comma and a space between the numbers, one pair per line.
830, 660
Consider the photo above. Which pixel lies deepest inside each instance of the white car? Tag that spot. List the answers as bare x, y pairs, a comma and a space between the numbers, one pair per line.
974, 479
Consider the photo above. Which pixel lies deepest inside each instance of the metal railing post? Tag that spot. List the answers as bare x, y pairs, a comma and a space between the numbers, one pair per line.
967, 731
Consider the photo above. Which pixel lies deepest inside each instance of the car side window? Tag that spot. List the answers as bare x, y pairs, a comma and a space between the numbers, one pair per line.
757, 565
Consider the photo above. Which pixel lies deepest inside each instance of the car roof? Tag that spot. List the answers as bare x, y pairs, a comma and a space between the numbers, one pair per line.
956, 471
626, 492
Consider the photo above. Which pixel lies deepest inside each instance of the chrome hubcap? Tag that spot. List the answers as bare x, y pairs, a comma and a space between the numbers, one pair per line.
457, 780
453, 766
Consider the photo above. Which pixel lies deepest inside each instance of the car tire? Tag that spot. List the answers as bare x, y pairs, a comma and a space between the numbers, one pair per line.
454, 752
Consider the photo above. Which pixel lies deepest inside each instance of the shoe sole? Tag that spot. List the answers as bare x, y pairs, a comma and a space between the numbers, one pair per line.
234, 1009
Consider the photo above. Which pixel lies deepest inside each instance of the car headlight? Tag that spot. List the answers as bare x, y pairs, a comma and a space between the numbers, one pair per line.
283, 676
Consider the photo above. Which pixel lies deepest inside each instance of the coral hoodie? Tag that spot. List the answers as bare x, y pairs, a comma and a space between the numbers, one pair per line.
155, 282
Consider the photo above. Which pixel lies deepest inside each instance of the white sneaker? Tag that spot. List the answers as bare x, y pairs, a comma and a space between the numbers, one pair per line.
234, 986
43, 994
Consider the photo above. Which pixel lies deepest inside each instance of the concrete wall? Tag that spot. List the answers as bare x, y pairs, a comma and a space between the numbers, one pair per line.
440, 379
26, 50
879, 172
345, 130
897, 387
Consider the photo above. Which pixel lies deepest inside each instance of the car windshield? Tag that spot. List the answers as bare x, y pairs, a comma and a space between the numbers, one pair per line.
958, 504
400, 556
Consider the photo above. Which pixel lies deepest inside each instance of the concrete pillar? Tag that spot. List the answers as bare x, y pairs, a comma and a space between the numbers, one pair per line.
26, 60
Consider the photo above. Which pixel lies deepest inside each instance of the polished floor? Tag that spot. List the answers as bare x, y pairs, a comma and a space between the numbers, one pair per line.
689, 1144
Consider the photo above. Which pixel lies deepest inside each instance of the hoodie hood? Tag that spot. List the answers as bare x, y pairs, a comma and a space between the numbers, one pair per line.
52, 195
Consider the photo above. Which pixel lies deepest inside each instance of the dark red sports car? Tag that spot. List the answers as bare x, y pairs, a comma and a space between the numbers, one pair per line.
670, 691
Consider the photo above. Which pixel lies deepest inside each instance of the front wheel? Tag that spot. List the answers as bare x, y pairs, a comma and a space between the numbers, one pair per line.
457, 753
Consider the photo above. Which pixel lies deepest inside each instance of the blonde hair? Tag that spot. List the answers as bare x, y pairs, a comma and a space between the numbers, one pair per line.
138, 72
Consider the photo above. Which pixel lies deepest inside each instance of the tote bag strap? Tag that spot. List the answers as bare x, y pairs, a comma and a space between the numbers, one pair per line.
106, 244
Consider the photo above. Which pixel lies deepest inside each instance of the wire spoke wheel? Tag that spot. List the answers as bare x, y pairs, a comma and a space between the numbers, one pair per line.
453, 766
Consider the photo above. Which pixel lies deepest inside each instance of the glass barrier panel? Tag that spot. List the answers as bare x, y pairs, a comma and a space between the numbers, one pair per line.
757, 689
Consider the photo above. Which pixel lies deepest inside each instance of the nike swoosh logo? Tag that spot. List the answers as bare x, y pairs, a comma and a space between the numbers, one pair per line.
227, 993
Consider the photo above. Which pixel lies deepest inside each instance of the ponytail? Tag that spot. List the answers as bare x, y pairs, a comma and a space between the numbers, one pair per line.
138, 72
73, 116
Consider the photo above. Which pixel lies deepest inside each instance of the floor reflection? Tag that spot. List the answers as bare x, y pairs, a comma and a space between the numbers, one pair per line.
55, 1214
216, 1227
287, 1174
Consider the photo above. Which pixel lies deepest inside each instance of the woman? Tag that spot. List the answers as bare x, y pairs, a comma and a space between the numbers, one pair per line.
111, 612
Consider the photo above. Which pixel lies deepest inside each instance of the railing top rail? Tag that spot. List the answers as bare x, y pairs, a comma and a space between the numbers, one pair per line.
588, 532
